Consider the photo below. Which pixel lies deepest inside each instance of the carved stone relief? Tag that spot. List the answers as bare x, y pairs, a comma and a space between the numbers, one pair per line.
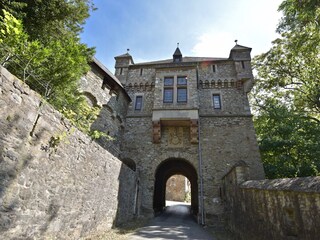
175, 137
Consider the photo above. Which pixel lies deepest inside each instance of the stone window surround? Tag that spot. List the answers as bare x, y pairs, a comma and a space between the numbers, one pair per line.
142, 101
175, 88
215, 92
214, 68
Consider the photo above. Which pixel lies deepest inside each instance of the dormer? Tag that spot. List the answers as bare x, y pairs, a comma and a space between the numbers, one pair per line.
177, 56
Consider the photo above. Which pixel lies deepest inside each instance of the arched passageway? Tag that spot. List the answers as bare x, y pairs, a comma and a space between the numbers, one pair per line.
167, 169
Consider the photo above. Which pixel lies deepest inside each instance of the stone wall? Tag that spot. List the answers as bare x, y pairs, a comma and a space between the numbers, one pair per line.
113, 108
177, 188
282, 209
224, 142
139, 148
55, 182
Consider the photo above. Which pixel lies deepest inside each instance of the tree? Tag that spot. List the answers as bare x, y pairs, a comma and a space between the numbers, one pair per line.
286, 97
49, 62
46, 19
289, 143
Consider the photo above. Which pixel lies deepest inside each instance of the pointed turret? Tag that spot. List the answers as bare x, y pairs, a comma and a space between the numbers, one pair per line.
122, 64
177, 56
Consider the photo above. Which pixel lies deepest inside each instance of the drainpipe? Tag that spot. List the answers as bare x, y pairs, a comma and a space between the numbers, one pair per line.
200, 161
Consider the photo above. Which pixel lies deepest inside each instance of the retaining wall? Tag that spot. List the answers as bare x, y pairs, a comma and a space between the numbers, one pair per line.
272, 209
55, 182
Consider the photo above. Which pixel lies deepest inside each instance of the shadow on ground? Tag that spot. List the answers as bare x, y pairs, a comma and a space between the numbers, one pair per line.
175, 222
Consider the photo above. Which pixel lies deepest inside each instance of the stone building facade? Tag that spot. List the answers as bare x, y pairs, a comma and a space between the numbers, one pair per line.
188, 116
178, 189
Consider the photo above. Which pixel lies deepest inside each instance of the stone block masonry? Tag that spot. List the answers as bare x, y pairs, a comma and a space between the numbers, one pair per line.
188, 116
55, 182
282, 209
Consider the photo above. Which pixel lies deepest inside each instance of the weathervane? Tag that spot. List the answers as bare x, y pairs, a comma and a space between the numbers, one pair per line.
177, 45
128, 50
236, 41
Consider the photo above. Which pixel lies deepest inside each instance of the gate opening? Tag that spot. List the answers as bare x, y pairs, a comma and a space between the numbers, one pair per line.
178, 189
172, 167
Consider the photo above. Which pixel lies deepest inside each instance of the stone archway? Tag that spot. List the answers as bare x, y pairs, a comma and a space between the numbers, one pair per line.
165, 170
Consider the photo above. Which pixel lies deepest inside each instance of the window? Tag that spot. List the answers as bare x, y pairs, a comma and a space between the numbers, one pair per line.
121, 71
168, 90
242, 64
214, 68
216, 101
138, 104
182, 89
141, 71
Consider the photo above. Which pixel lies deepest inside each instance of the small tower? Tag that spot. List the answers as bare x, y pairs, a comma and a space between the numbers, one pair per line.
240, 53
177, 56
122, 64
242, 61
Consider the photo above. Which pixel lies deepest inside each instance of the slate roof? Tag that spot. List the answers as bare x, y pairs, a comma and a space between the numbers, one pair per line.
110, 76
239, 47
123, 55
106, 70
177, 52
184, 60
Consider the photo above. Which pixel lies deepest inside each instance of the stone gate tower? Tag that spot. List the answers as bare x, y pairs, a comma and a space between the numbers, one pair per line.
189, 116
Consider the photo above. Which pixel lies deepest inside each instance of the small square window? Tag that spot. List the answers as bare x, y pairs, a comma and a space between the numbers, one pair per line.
168, 81
182, 81
216, 101
138, 104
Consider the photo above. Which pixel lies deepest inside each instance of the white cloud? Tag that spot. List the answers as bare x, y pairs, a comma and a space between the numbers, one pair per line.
251, 22
217, 44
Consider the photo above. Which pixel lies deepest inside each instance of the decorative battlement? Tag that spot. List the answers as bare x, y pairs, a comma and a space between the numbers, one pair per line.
219, 83
135, 87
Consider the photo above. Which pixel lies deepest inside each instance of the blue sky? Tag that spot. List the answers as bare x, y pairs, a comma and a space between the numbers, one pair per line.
204, 28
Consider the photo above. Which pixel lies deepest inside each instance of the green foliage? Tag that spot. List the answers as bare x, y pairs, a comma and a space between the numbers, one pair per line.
289, 142
187, 197
83, 116
51, 66
45, 19
57, 139
286, 97
298, 15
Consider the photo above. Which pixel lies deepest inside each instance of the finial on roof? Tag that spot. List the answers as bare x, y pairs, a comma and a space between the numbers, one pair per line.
128, 50
177, 56
236, 41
